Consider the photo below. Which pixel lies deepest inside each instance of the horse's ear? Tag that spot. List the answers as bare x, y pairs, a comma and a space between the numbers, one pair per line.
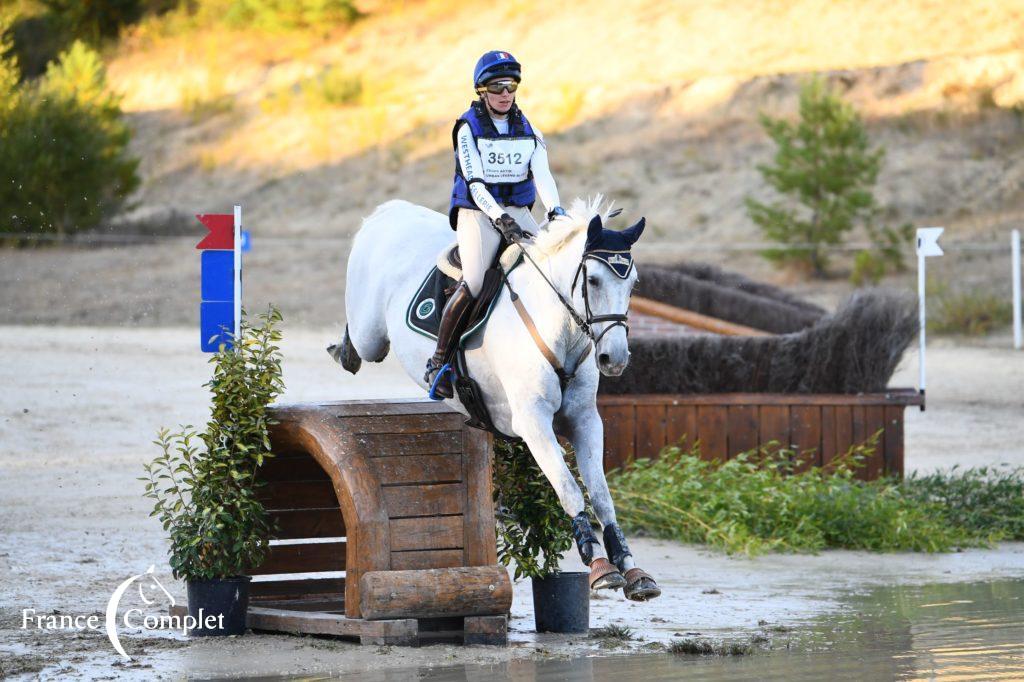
594, 231
631, 234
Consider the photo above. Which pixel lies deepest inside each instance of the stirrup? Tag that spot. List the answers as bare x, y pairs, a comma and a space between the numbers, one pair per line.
432, 393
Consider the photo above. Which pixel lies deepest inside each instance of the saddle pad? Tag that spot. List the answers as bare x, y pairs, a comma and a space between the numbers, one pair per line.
424, 312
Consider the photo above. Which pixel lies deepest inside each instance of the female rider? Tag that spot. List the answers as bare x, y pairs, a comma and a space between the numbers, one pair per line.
501, 166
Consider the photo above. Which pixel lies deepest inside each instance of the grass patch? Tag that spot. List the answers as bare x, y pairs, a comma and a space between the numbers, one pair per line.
702, 646
972, 312
758, 502
616, 632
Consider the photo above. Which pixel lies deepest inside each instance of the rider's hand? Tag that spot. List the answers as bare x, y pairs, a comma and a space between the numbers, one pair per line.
509, 227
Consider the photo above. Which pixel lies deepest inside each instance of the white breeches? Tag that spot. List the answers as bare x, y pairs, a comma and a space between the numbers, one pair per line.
479, 239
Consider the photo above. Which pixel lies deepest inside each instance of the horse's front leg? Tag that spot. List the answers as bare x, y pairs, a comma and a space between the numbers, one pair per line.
587, 436
532, 421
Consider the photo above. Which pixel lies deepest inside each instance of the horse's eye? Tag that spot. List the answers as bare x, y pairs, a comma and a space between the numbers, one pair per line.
592, 281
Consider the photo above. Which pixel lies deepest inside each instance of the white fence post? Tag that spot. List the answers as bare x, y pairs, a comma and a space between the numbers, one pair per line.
1015, 259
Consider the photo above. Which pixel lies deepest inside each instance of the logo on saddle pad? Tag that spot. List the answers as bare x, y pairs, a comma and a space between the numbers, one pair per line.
425, 308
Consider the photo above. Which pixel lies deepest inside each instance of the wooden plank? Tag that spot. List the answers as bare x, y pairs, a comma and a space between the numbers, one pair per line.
293, 588
431, 558
828, 434
314, 557
893, 461
293, 524
648, 306
427, 532
491, 630
315, 604
424, 500
402, 444
896, 396
397, 632
619, 435
298, 495
680, 423
418, 469
405, 424
712, 431
805, 432
874, 421
291, 467
844, 429
774, 425
457, 591
859, 435
650, 431
479, 542
742, 429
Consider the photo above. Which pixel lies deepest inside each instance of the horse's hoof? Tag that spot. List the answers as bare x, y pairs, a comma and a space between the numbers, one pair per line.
604, 575
640, 586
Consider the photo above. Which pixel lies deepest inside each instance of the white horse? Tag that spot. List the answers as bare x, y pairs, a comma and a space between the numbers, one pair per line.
392, 254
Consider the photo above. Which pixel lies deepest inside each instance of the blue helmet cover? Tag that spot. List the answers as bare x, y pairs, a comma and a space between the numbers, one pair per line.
493, 64
612, 247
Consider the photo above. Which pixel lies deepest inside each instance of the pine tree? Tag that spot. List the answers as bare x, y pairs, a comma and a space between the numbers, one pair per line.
825, 170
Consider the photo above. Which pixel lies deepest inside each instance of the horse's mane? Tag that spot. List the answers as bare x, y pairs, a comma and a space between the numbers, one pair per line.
565, 230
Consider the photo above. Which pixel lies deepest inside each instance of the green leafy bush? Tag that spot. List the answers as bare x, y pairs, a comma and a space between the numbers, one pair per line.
206, 498
972, 312
825, 170
533, 529
758, 502
985, 500
64, 163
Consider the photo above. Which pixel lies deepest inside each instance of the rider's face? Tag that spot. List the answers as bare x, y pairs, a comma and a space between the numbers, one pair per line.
500, 103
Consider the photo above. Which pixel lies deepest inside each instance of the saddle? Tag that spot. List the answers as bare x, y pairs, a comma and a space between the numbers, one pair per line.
424, 317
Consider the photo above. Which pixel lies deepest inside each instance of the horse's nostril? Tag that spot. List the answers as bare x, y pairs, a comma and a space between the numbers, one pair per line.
604, 358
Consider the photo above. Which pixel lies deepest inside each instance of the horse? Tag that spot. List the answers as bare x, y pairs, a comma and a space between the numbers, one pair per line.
537, 383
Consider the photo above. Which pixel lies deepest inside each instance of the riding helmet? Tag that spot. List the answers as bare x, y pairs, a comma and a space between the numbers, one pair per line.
493, 65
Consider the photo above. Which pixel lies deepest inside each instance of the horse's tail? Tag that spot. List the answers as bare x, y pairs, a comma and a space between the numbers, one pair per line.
346, 354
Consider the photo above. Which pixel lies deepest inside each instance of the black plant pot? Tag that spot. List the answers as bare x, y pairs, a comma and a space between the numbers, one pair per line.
561, 602
218, 606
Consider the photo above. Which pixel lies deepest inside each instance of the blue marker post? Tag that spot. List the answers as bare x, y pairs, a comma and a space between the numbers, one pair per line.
220, 313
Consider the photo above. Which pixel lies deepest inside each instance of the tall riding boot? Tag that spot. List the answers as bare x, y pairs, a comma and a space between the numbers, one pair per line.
453, 316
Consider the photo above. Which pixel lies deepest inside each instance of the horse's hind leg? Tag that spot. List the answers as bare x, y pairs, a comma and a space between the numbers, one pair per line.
588, 440
346, 354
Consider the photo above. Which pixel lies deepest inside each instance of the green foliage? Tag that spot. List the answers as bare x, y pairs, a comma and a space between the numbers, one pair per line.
64, 163
333, 86
533, 529
206, 499
825, 170
985, 500
95, 20
276, 15
971, 312
758, 502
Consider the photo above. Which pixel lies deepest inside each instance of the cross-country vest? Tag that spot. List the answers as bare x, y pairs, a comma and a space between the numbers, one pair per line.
506, 160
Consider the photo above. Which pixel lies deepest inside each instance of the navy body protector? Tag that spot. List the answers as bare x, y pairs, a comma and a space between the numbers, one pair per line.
520, 189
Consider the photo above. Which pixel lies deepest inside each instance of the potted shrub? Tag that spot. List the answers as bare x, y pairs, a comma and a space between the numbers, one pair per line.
205, 497
534, 531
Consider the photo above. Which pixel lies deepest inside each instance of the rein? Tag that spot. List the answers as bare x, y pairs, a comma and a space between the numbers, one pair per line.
585, 324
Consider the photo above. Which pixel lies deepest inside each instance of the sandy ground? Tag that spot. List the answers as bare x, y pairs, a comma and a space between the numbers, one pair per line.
83, 404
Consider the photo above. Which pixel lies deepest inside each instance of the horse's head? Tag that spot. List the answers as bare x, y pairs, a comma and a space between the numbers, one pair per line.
600, 264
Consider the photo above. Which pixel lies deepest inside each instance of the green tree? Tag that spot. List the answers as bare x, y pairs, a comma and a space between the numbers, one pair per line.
64, 162
825, 170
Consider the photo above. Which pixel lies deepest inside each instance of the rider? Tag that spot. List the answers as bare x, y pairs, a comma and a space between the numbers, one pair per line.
501, 166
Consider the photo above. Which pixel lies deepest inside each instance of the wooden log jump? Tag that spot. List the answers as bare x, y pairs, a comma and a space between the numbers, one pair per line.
373, 499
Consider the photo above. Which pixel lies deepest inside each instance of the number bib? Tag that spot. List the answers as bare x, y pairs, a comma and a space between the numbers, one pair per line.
506, 160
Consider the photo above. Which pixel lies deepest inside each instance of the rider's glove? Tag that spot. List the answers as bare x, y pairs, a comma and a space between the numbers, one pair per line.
556, 211
509, 227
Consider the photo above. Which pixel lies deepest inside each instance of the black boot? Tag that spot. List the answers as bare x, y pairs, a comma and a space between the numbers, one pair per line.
452, 318
583, 533
615, 545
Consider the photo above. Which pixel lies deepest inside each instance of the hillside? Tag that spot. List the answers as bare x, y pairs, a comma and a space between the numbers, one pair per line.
652, 103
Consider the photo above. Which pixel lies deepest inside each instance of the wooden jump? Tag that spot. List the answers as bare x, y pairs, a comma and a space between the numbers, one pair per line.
649, 306
729, 423
385, 526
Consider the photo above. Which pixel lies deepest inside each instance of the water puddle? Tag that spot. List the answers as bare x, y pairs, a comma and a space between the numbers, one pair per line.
962, 631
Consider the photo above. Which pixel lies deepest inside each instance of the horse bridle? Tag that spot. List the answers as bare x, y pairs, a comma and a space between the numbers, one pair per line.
585, 324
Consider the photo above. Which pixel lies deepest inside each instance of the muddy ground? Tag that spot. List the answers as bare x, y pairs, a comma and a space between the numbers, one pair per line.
83, 403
